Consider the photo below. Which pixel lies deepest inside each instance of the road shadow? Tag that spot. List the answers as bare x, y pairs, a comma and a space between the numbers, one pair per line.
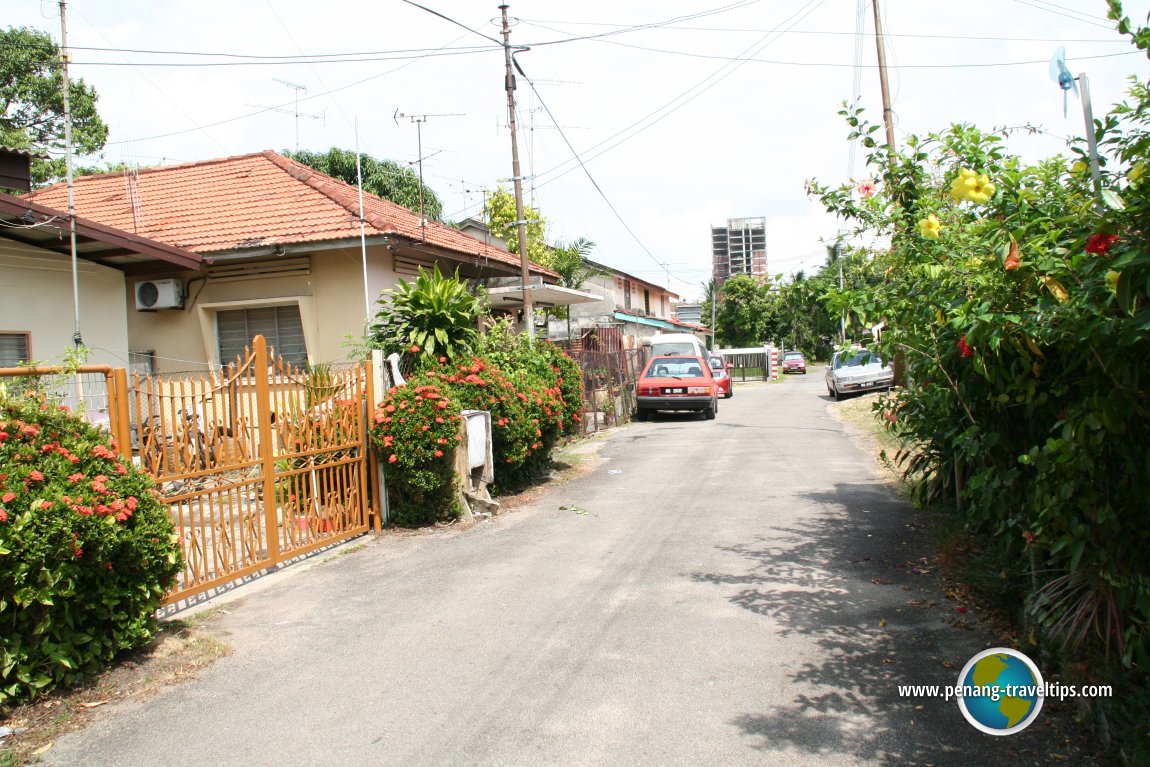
853, 578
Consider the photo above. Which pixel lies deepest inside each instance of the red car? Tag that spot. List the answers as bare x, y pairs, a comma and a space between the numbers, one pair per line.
677, 382
720, 369
794, 362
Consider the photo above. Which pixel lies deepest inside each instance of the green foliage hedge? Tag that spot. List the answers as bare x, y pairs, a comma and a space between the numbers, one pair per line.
87, 551
535, 397
1017, 295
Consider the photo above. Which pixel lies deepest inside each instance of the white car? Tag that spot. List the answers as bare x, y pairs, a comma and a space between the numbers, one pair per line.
856, 371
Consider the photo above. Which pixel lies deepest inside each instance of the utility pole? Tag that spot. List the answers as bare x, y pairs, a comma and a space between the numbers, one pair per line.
887, 112
517, 178
77, 338
843, 314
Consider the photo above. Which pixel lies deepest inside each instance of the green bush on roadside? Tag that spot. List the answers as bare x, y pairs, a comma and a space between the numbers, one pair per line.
87, 550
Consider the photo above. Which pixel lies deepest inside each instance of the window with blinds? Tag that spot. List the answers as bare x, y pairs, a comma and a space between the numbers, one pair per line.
281, 327
15, 348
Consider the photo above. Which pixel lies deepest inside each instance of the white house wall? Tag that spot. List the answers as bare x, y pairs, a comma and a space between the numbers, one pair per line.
36, 285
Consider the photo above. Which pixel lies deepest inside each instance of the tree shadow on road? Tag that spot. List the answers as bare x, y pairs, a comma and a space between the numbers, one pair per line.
852, 578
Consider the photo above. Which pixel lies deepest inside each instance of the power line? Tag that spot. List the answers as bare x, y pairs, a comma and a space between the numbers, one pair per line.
686, 96
839, 65
591, 178
275, 58
758, 30
1064, 15
282, 106
686, 54
205, 64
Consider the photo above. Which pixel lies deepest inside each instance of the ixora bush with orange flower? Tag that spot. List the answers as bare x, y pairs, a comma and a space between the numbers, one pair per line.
415, 432
87, 551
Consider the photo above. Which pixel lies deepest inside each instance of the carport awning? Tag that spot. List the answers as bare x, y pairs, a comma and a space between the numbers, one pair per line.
511, 297
624, 317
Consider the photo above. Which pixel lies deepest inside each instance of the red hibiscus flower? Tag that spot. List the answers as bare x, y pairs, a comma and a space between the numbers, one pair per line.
1098, 243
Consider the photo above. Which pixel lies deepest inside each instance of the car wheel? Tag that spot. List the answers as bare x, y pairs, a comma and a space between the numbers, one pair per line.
642, 415
710, 412
729, 394
838, 395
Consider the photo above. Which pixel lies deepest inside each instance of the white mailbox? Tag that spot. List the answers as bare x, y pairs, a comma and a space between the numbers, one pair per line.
477, 424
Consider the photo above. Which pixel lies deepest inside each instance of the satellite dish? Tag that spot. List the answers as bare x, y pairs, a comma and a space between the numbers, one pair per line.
1060, 73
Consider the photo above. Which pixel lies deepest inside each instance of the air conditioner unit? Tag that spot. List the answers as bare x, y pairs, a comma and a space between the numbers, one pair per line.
159, 294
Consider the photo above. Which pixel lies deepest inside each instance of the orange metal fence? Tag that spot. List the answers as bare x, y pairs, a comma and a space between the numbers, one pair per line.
258, 463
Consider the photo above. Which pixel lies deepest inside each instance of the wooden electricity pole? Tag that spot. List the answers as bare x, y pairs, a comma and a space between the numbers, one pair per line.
887, 112
517, 178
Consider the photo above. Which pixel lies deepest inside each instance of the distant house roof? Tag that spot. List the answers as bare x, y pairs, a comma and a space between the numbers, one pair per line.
253, 201
633, 278
33, 224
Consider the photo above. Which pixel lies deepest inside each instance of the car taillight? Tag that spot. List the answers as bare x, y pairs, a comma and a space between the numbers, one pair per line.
647, 390
699, 390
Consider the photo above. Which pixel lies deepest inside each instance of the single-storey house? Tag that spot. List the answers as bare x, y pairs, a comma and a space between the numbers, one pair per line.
635, 307
289, 258
37, 313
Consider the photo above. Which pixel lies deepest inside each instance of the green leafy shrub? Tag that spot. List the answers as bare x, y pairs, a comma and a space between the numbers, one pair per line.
516, 353
416, 431
87, 550
1017, 296
434, 316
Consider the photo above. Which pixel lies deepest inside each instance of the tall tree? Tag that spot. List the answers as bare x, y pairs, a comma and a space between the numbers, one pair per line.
32, 103
745, 312
499, 209
383, 178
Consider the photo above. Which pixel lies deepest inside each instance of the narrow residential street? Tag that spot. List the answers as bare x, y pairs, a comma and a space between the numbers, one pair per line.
728, 592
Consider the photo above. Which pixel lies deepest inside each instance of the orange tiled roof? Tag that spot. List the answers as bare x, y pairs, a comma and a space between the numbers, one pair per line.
251, 201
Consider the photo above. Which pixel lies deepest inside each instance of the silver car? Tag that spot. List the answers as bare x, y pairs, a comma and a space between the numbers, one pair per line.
856, 371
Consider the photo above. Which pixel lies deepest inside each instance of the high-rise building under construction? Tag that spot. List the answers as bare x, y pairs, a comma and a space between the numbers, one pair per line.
740, 247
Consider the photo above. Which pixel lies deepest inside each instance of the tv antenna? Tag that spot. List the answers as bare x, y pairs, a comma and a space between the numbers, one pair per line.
1060, 73
419, 120
295, 111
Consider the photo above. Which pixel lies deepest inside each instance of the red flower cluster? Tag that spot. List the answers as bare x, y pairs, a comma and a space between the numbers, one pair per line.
964, 349
1098, 243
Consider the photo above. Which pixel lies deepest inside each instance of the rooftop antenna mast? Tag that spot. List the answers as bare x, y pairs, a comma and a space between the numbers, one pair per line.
65, 56
419, 120
295, 111
1060, 73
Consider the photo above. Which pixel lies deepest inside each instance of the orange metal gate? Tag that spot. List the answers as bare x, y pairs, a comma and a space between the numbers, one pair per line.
259, 463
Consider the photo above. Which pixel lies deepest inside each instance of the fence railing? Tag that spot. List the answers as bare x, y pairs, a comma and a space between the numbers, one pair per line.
609, 379
257, 463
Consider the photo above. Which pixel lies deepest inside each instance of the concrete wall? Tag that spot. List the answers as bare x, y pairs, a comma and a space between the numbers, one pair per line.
330, 298
36, 286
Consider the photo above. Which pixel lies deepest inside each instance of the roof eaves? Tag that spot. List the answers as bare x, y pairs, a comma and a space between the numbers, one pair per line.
110, 235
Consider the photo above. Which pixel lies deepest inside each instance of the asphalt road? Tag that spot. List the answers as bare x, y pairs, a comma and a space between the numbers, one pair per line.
728, 592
